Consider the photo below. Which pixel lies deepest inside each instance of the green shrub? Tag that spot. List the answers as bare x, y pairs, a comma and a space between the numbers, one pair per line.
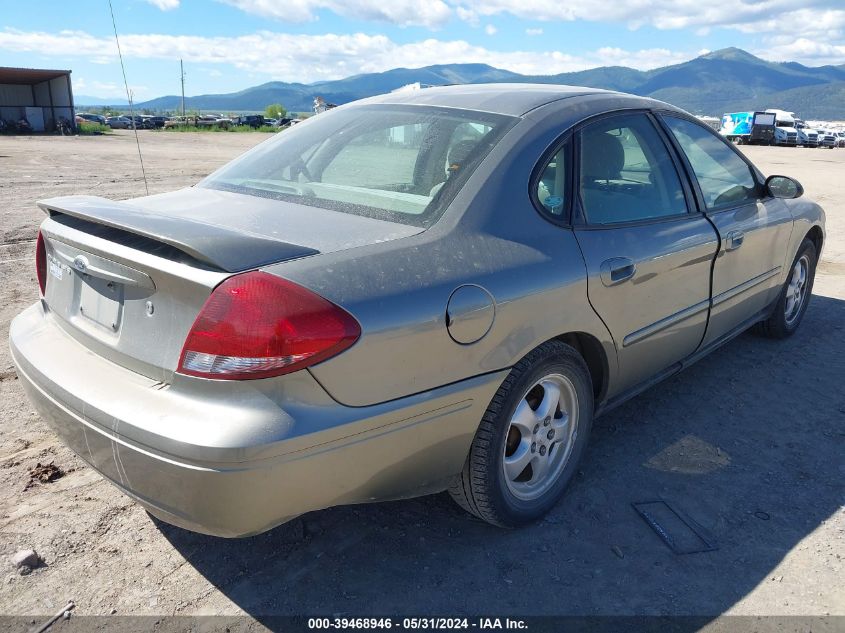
92, 128
216, 128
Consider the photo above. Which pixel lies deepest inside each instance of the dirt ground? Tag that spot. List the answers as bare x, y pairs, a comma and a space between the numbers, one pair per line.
749, 442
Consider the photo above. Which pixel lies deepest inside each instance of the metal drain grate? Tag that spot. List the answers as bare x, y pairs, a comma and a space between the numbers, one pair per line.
679, 532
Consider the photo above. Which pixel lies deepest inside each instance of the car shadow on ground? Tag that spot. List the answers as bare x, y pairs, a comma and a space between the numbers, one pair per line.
747, 442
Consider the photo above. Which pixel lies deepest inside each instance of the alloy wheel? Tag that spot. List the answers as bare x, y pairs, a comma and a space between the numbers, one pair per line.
540, 437
796, 289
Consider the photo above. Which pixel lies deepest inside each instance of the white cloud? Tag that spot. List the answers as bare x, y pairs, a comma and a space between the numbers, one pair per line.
298, 57
805, 21
467, 15
822, 19
107, 89
81, 84
814, 37
165, 5
431, 13
810, 51
490, 29
744, 15
659, 13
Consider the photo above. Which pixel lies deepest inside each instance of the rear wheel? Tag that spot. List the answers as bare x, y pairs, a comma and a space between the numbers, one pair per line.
794, 296
530, 440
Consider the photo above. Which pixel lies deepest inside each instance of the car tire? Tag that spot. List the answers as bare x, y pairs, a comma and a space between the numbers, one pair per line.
790, 308
541, 414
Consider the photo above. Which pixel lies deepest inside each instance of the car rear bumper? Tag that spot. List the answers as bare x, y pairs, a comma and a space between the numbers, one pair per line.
234, 458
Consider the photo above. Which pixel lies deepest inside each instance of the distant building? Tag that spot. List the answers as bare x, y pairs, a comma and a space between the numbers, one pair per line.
38, 95
320, 105
414, 87
712, 121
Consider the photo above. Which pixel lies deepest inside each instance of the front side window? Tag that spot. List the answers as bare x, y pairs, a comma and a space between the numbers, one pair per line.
397, 163
626, 172
723, 176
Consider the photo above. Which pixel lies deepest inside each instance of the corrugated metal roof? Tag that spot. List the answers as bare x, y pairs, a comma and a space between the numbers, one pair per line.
28, 76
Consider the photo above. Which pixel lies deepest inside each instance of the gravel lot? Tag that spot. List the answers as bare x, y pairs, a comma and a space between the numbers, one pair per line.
750, 443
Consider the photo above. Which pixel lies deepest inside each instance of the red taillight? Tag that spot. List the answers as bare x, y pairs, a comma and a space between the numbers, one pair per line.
41, 263
256, 325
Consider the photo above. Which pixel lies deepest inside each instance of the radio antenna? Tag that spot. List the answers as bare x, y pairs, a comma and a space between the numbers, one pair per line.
129, 100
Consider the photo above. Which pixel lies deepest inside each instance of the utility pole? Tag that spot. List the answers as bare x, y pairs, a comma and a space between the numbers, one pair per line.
182, 77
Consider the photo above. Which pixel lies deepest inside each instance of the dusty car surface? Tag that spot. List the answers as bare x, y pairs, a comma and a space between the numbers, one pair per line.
411, 293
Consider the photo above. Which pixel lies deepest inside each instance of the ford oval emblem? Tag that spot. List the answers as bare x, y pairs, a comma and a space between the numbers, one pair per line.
80, 263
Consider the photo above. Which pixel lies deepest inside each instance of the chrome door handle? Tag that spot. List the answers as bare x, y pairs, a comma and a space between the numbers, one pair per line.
733, 240
616, 270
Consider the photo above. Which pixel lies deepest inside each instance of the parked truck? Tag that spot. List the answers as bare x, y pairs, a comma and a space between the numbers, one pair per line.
807, 136
753, 128
785, 132
828, 139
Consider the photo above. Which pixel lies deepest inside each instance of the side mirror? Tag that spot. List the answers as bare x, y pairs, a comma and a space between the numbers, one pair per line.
784, 187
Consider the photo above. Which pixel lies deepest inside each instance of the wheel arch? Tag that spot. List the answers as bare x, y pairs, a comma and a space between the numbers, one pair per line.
593, 353
816, 236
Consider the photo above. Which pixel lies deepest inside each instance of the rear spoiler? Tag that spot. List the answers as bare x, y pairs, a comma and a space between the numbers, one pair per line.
219, 247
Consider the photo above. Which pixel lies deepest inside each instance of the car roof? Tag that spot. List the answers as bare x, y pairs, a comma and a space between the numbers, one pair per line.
501, 98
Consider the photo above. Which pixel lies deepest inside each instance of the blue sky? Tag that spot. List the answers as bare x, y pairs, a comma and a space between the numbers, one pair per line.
230, 45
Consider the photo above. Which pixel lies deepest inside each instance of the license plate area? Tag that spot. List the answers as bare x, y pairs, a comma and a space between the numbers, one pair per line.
100, 302
55, 267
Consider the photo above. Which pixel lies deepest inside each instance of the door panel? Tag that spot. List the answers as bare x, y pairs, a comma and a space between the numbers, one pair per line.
658, 314
747, 276
648, 258
753, 233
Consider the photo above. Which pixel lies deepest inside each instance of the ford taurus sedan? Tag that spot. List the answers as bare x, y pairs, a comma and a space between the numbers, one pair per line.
407, 294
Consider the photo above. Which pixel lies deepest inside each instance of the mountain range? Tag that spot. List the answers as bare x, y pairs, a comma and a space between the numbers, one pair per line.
727, 80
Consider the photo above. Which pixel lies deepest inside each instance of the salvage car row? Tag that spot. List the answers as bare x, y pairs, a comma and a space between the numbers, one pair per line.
149, 122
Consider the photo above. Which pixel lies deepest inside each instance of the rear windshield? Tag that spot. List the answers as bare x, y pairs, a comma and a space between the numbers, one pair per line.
398, 163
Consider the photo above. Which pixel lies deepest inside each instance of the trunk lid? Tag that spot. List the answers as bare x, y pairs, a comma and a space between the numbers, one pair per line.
127, 279
231, 231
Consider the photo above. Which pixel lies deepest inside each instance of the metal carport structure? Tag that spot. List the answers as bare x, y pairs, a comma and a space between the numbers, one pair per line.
40, 95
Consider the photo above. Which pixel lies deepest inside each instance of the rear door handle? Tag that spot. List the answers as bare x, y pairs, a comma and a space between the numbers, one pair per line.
616, 270
733, 240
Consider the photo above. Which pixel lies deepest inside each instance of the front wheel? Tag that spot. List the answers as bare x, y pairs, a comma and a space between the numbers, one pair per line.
530, 439
794, 296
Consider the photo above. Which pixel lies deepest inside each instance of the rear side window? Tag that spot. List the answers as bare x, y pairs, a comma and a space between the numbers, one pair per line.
724, 178
627, 173
552, 187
